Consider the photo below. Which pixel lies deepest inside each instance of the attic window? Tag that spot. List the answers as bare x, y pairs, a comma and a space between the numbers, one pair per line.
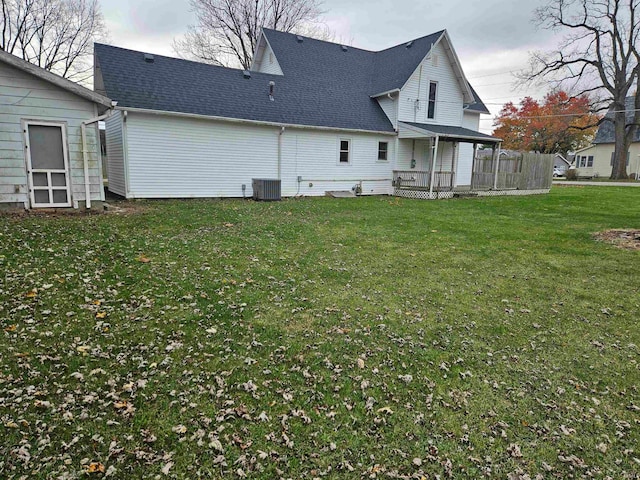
270, 57
434, 60
149, 58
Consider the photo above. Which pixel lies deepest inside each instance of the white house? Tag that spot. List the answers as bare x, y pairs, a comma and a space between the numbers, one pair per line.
596, 160
319, 116
44, 122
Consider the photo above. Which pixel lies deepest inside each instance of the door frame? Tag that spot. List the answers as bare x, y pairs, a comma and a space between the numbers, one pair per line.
31, 171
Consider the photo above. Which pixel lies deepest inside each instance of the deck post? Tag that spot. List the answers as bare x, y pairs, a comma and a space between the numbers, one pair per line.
433, 165
473, 163
496, 161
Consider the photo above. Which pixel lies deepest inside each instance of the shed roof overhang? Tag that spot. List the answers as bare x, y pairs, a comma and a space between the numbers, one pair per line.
443, 132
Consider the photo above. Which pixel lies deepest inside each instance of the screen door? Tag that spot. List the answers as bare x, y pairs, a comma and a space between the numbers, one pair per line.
48, 165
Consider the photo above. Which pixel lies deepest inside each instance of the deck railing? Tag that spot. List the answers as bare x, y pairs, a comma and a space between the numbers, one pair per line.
421, 180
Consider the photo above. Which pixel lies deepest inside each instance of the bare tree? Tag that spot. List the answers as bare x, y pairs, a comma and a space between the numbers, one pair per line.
56, 35
227, 31
598, 56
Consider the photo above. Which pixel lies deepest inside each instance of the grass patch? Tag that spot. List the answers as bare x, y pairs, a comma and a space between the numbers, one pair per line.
374, 337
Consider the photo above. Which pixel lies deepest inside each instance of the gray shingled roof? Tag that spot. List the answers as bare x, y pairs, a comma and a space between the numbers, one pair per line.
479, 106
322, 85
448, 131
606, 131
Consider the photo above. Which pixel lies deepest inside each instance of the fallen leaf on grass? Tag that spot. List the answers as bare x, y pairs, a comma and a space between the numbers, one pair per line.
101, 314
11, 328
386, 410
143, 259
95, 467
166, 468
179, 429
32, 293
83, 349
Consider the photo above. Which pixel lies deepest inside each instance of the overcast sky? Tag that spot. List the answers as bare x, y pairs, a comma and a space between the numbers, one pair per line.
492, 37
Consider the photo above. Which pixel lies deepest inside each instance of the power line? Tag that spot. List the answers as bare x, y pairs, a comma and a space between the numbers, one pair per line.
491, 75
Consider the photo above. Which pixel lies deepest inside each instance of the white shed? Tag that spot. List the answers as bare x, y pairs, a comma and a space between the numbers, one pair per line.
49, 139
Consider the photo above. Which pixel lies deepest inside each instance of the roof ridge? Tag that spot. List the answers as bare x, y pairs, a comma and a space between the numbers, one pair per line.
318, 40
439, 32
176, 58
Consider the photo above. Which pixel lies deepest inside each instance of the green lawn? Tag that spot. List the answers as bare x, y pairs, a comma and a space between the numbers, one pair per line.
323, 338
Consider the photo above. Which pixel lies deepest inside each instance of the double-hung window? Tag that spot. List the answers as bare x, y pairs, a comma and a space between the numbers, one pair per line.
433, 95
344, 156
383, 149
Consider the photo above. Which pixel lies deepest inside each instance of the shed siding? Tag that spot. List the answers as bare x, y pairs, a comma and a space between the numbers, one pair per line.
449, 95
25, 97
183, 157
115, 153
269, 63
390, 107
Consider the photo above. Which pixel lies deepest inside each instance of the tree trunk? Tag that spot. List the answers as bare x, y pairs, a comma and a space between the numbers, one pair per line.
619, 169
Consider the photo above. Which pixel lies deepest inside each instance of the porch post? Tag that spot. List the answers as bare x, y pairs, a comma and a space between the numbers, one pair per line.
496, 160
433, 166
473, 162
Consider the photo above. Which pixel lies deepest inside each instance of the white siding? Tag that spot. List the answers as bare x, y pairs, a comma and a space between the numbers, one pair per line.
465, 156
25, 97
269, 62
170, 156
449, 94
115, 153
390, 107
313, 155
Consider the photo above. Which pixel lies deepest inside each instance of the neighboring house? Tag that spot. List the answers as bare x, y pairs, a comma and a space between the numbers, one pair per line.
561, 163
318, 115
597, 159
41, 154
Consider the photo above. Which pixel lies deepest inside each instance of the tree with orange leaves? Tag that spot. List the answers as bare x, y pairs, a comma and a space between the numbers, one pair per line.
559, 124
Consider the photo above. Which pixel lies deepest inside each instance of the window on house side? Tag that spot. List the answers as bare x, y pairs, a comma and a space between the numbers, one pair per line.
345, 153
590, 161
383, 147
613, 154
433, 93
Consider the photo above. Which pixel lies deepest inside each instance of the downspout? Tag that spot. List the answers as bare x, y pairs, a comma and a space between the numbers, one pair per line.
433, 165
282, 129
85, 161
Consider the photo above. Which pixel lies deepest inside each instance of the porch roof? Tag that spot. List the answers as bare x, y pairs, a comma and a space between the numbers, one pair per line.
445, 132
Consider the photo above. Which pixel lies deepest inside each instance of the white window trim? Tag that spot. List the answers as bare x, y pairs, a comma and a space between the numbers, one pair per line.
350, 151
378, 159
435, 106
30, 171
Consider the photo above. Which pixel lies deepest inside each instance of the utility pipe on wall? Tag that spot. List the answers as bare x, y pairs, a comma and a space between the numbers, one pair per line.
85, 161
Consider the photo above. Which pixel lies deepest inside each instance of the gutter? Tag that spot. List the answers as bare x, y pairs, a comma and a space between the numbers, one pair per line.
252, 122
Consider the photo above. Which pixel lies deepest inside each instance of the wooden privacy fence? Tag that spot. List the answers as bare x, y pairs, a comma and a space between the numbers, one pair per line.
527, 171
